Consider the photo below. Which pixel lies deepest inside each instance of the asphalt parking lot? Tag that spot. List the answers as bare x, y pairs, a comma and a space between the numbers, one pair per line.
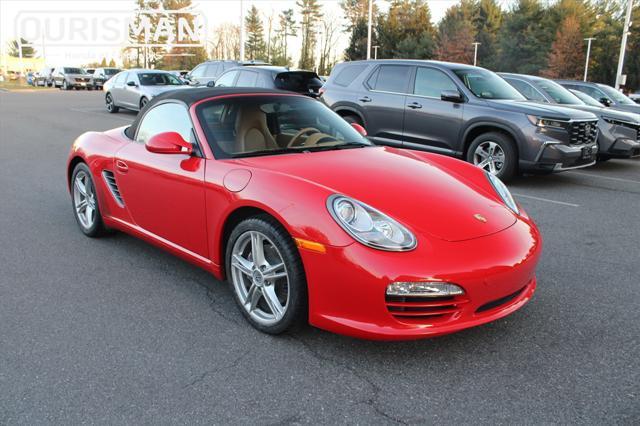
115, 331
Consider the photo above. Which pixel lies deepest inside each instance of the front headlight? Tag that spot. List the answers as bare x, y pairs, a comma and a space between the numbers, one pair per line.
370, 226
503, 192
548, 122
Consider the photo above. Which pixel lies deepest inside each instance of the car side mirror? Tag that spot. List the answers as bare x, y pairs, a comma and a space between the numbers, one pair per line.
451, 96
359, 129
168, 143
606, 101
211, 83
131, 83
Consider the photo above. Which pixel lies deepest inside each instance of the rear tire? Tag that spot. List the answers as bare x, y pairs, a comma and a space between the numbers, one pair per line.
143, 102
353, 119
271, 305
64, 85
496, 153
111, 106
84, 201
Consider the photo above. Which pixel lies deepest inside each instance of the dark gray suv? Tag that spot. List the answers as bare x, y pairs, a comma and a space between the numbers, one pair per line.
619, 131
606, 95
463, 111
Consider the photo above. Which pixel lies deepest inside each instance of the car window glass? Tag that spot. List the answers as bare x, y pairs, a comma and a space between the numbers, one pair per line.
198, 71
247, 79
487, 85
132, 77
526, 89
212, 70
159, 79
558, 93
431, 82
226, 80
390, 78
348, 74
169, 117
120, 78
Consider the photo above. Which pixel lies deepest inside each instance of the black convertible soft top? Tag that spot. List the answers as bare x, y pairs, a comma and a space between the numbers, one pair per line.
193, 95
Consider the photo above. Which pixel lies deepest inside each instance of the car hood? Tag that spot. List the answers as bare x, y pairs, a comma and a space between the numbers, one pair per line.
532, 108
611, 113
422, 195
627, 108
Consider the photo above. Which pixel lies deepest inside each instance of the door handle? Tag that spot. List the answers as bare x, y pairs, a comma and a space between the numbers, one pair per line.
364, 99
122, 166
414, 105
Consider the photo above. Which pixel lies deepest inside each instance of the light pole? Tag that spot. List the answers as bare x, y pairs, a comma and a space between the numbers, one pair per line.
475, 52
241, 30
586, 62
369, 30
375, 51
623, 44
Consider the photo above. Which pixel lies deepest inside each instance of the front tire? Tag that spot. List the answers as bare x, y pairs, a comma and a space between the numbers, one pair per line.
495, 153
266, 275
64, 86
143, 102
85, 202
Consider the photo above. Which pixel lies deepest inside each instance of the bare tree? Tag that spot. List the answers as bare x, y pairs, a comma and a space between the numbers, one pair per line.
226, 41
331, 27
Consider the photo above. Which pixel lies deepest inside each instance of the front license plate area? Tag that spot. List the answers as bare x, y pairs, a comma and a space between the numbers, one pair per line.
587, 153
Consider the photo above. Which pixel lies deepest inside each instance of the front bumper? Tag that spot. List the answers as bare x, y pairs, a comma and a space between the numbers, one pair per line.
556, 156
347, 285
623, 148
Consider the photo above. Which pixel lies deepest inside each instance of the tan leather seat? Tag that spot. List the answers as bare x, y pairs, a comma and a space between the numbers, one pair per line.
252, 133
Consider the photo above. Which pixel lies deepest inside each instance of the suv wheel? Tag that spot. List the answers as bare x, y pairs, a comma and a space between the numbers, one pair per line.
353, 119
65, 86
495, 153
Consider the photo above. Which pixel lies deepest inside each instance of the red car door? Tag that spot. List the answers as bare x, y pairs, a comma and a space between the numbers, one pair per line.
164, 193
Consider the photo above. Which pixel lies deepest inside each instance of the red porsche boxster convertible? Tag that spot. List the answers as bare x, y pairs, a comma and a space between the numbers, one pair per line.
305, 218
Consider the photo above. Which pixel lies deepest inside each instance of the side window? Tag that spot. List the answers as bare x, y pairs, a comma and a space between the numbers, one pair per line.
169, 117
247, 79
595, 93
348, 74
432, 82
120, 78
212, 70
226, 80
527, 90
390, 78
198, 71
132, 76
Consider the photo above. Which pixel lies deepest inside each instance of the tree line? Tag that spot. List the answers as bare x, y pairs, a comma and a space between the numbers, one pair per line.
531, 37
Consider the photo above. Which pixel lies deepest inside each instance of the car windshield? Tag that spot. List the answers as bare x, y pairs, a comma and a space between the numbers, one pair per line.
488, 85
272, 125
559, 93
586, 98
74, 71
615, 95
158, 79
111, 71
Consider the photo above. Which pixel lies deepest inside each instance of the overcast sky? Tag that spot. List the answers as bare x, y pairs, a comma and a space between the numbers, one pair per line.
91, 18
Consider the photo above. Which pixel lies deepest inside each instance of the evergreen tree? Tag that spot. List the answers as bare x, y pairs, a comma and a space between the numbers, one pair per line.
286, 28
456, 33
181, 58
356, 13
406, 31
357, 48
524, 39
14, 49
487, 22
112, 63
311, 12
103, 62
255, 46
566, 59
607, 30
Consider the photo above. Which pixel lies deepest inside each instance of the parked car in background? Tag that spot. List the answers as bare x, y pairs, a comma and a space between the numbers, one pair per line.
635, 97
619, 132
211, 70
462, 111
70, 78
132, 89
270, 77
606, 95
43, 77
101, 75
89, 71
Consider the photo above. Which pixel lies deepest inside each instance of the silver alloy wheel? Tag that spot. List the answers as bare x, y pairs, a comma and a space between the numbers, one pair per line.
143, 102
64, 85
109, 103
260, 277
489, 156
84, 199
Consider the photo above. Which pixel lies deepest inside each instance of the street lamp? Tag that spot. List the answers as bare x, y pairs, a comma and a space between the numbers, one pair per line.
241, 30
623, 43
369, 30
375, 51
586, 63
475, 52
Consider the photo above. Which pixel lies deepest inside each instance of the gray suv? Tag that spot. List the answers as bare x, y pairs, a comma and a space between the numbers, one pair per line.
619, 131
462, 111
211, 70
606, 95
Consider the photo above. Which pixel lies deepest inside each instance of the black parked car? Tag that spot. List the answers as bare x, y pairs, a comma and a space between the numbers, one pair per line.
463, 111
606, 95
270, 77
102, 75
619, 131
212, 70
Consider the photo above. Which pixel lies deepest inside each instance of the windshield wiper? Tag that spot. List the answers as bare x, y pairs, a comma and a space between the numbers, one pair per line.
266, 152
345, 145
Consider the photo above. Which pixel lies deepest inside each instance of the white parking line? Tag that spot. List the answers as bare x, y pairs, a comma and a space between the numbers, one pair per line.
562, 203
604, 177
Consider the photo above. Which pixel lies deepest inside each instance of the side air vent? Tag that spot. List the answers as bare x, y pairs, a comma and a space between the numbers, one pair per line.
110, 179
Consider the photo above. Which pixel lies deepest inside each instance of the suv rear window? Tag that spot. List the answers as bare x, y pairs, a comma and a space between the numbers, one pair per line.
307, 83
390, 78
348, 74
